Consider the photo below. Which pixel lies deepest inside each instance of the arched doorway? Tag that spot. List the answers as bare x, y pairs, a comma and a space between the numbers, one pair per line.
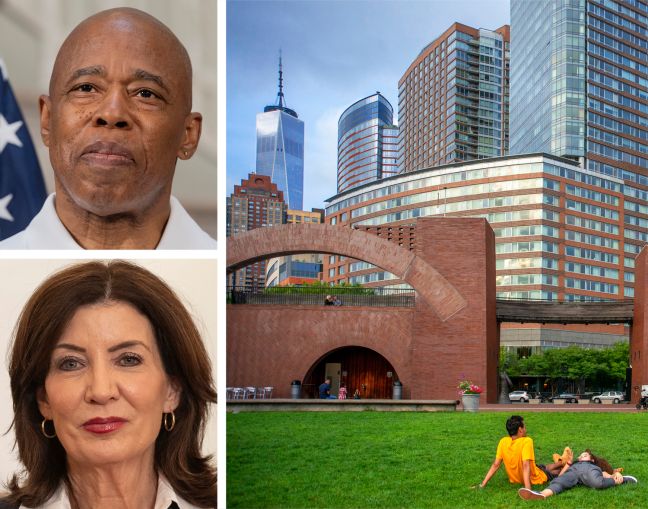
356, 366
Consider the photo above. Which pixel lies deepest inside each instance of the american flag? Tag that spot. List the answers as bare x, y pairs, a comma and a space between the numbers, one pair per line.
22, 189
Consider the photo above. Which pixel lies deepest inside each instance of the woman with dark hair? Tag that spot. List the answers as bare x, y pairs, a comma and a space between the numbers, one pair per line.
111, 386
589, 470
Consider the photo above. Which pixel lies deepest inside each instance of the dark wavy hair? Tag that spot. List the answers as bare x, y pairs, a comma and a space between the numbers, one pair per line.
42, 321
602, 463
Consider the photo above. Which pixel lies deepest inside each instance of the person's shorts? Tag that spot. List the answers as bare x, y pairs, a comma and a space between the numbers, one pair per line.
549, 475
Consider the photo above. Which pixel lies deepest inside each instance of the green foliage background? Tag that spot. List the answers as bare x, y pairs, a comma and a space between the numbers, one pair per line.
588, 367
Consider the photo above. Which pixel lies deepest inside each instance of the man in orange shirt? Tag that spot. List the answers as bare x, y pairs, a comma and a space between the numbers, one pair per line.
517, 454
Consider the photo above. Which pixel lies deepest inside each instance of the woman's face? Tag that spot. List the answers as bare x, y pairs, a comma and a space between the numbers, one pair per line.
585, 456
106, 388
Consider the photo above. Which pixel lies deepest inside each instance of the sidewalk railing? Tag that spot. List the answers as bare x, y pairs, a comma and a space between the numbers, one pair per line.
306, 296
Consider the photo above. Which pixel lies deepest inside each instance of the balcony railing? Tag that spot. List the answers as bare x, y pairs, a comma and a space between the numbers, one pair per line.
308, 296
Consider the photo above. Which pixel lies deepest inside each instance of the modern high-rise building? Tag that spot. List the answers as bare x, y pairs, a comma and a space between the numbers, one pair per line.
367, 143
255, 203
569, 206
280, 148
560, 232
453, 99
579, 89
298, 269
579, 85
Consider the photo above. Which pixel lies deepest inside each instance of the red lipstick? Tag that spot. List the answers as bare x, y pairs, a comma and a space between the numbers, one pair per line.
101, 425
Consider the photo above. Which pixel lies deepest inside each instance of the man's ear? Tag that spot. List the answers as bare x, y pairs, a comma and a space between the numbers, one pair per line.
174, 393
43, 403
192, 129
45, 104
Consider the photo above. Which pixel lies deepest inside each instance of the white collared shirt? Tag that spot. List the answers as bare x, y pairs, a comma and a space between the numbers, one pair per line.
46, 231
165, 496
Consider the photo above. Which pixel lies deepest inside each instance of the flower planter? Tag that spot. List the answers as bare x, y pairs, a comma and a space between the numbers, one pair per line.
534, 401
470, 402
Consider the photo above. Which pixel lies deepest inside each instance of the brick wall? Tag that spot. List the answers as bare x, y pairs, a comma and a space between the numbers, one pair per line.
452, 331
639, 333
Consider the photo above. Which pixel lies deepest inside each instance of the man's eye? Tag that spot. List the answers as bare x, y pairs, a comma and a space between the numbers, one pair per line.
146, 93
85, 87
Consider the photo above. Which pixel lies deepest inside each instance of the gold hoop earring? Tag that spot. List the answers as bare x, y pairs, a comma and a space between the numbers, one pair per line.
165, 421
45, 432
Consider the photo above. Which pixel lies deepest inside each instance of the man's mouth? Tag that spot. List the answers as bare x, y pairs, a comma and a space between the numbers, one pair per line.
107, 153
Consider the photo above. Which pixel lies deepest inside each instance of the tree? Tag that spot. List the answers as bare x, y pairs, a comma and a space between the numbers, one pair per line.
596, 368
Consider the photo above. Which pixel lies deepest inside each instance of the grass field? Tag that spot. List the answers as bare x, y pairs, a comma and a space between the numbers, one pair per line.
407, 459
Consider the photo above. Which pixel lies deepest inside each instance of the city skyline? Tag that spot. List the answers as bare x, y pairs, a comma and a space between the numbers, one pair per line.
331, 59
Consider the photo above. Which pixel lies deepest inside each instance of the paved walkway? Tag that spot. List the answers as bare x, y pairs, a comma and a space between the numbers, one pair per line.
550, 407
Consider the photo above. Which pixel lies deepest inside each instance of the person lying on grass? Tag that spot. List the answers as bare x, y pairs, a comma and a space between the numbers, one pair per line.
517, 454
588, 470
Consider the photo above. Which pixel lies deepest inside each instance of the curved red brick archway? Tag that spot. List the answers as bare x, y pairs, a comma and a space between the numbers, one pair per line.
450, 333
283, 240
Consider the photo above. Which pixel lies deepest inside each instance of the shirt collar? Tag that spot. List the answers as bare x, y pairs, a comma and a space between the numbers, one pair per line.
46, 231
164, 498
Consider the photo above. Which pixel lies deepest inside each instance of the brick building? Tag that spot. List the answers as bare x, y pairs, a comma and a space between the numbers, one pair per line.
453, 99
560, 232
255, 203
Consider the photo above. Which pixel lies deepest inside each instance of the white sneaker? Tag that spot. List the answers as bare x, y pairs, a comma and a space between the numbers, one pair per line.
527, 494
629, 479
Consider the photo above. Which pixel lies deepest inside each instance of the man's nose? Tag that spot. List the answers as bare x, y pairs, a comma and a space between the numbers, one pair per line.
113, 111
101, 386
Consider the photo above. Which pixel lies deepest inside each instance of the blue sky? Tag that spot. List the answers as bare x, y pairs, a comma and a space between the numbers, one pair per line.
335, 52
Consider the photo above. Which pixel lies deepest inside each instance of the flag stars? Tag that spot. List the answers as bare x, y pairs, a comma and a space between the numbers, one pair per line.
8, 133
4, 208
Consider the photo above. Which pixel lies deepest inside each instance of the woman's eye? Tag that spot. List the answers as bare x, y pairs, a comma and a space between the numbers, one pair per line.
130, 359
69, 364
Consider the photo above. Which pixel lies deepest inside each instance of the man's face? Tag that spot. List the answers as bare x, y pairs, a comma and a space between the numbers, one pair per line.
118, 116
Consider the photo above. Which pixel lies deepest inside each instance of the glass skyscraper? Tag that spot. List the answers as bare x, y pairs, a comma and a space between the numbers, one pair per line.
453, 99
579, 89
579, 83
367, 143
548, 77
280, 148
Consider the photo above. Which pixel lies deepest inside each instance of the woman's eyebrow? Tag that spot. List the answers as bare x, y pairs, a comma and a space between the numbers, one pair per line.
114, 348
127, 344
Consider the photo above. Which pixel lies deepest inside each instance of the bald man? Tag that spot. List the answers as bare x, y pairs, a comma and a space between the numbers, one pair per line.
116, 120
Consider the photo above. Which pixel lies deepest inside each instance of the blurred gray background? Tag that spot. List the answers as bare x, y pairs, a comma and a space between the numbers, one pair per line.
31, 31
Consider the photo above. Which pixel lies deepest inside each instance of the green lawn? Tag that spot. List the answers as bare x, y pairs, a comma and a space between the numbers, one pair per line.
407, 459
